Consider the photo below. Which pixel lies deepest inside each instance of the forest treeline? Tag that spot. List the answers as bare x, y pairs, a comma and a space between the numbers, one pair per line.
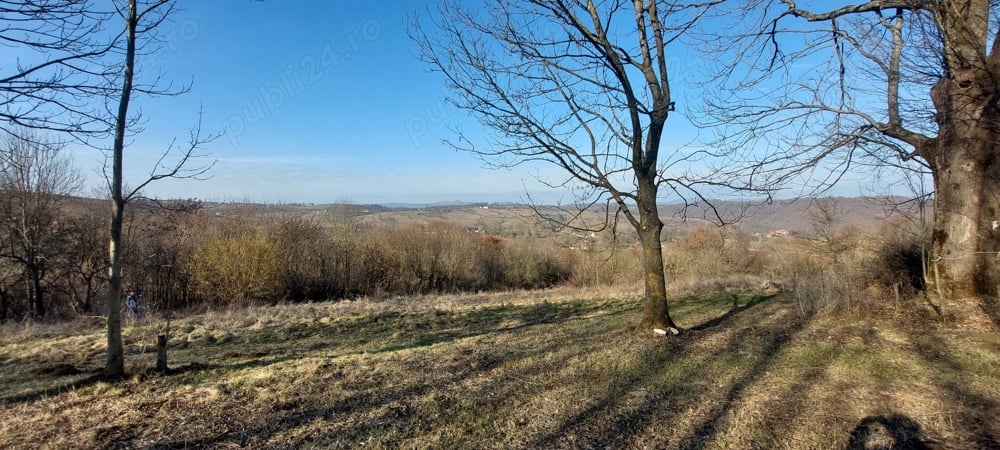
180, 254
183, 254
186, 253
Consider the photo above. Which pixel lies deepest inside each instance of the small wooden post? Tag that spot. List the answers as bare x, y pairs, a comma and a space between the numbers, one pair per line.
161, 353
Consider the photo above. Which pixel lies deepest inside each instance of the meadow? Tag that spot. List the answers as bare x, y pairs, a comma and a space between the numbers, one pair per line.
556, 368
815, 336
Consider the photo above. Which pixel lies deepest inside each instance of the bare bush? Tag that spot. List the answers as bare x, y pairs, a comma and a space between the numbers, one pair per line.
823, 288
306, 251
527, 267
708, 254
237, 270
444, 257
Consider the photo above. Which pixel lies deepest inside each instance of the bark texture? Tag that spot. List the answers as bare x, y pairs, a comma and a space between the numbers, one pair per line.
964, 160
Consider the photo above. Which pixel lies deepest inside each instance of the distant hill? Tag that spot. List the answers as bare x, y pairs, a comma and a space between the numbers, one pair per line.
519, 220
513, 219
794, 215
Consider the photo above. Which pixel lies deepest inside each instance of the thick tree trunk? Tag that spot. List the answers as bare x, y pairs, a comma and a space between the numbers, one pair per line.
965, 160
965, 257
655, 314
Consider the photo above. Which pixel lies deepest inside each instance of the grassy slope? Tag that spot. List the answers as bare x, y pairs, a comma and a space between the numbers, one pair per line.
554, 369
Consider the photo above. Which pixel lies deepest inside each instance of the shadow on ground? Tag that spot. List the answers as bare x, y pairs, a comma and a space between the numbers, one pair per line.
547, 375
76, 382
755, 329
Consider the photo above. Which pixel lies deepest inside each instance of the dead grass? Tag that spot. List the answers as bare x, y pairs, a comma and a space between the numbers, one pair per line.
551, 369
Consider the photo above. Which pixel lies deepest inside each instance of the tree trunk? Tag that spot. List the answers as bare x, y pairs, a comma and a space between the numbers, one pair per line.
965, 263
4, 305
161, 353
37, 292
88, 296
965, 160
116, 354
655, 314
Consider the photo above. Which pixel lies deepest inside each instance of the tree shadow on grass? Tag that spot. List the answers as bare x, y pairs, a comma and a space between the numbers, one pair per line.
395, 331
752, 336
616, 422
393, 404
92, 378
736, 308
602, 424
88, 380
975, 412
698, 383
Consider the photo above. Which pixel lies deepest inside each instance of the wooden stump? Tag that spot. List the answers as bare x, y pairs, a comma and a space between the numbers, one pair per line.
161, 353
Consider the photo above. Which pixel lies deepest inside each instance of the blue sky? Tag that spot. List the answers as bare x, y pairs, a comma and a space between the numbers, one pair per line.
317, 102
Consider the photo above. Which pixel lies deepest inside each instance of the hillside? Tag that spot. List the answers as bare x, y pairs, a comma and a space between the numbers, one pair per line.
520, 220
548, 369
512, 219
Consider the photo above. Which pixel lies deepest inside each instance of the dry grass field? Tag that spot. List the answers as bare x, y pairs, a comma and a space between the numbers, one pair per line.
561, 368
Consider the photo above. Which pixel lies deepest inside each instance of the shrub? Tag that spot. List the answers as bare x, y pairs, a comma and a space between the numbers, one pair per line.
711, 253
897, 268
306, 251
824, 288
237, 270
527, 267
443, 257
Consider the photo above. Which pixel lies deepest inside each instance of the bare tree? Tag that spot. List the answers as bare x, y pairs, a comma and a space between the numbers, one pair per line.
585, 86
35, 178
86, 266
830, 236
58, 73
141, 20
908, 84
8, 277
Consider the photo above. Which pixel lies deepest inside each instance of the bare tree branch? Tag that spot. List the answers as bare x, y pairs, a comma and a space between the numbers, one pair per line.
584, 86
907, 85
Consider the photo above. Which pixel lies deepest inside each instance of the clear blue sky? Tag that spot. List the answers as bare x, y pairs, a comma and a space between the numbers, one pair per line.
318, 101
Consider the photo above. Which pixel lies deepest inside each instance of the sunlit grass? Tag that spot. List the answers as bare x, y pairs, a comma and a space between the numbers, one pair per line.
562, 368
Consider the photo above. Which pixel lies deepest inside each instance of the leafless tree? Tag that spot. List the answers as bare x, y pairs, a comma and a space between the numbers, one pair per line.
141, 20
36, 175
8, 277
831, 237
58, 72
86, 268
909, 84
585, 86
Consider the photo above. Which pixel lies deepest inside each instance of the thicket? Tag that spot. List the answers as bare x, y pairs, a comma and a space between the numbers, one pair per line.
185, 254
181, 255
833, 267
